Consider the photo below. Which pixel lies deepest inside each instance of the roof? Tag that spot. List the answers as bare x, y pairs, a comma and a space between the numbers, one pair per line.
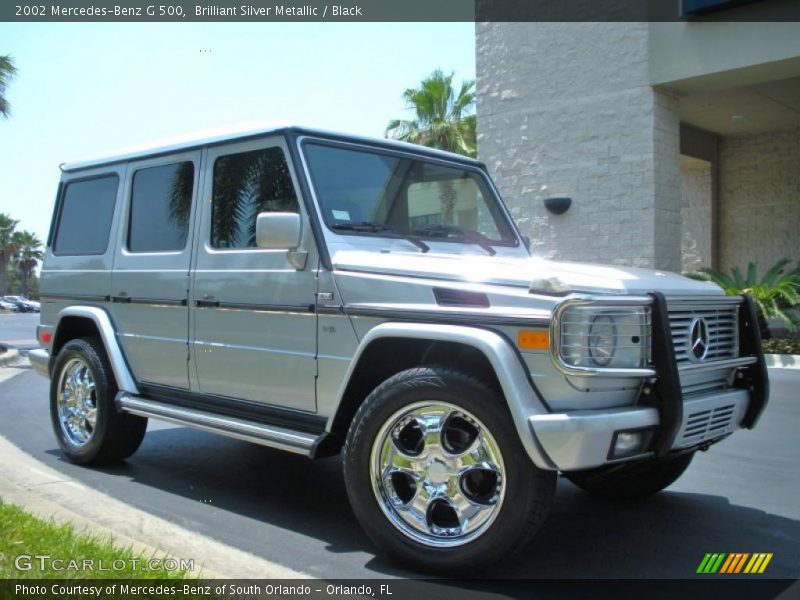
219, 136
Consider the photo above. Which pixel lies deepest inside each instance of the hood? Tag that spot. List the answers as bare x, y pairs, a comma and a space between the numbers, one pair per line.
540, 275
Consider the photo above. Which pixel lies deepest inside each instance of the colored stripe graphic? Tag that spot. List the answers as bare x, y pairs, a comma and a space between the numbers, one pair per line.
711, 563
758, 563
734, 563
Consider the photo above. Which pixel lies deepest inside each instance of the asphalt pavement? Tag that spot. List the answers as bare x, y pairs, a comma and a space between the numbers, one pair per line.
19, 330
741, 496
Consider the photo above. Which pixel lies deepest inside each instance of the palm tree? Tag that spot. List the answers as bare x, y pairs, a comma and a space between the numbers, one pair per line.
7, 72
7, 248
443, 118
27, 257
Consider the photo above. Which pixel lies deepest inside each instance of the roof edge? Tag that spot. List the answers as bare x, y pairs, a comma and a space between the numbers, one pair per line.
193, 141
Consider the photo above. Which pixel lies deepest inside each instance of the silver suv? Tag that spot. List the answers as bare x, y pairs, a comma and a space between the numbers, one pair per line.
324, 293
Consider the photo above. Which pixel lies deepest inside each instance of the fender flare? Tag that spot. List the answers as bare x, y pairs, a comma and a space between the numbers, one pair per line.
105, 327
520, 396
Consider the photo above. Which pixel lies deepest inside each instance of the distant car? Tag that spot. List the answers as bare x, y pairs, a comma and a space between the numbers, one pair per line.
23, 304
5, 305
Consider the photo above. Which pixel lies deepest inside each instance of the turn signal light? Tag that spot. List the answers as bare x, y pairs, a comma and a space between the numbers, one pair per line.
533, 340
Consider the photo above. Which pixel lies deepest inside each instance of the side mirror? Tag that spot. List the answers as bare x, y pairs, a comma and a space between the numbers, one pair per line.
278, 230
527, 241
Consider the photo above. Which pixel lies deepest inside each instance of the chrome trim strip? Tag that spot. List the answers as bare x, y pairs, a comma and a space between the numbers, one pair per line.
704, 300
574, 300
79, 297
265, 435
473, 318
731, 363
284, 308
160, 301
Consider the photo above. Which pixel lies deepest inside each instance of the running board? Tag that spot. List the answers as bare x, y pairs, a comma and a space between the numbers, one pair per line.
273, 436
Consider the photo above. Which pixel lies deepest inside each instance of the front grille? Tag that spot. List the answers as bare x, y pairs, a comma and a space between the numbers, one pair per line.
708, 424
723, 330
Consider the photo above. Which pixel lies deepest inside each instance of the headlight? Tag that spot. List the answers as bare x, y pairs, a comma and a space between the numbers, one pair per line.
598, 336
602, 339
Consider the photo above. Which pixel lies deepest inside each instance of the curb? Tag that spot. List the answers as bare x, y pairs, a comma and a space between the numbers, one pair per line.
783, 361
47, 493
8, 356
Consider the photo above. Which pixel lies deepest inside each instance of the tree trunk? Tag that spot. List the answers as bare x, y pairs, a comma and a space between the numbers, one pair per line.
24, 283
447, 195
3, 278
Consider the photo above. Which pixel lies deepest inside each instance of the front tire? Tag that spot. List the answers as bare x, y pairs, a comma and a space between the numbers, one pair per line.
632, 481
88, 427
436, 473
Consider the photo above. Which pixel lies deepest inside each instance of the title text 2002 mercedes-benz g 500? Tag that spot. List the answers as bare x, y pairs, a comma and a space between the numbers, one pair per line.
323, 293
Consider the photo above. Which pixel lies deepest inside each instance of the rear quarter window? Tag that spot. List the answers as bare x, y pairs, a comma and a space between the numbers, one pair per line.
84, 219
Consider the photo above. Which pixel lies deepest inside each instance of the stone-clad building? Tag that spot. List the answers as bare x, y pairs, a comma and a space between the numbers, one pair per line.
678, 142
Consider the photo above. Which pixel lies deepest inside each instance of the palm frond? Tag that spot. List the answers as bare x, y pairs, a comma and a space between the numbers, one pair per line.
443, 119
7, 72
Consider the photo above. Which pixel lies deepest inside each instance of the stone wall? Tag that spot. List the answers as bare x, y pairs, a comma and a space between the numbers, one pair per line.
759, 199
566, 109
695, 215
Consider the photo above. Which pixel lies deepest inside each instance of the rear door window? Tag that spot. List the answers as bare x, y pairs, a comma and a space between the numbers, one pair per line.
161, 204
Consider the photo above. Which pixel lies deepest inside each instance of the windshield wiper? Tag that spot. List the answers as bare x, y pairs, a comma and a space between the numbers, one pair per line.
468, 235
370, 227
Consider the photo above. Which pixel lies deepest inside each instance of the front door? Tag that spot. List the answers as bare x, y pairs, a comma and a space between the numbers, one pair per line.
253, 310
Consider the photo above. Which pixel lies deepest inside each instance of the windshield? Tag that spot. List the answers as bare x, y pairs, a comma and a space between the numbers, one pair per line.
370, 193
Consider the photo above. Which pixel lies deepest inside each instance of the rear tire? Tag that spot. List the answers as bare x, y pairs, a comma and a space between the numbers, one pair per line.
632, 481
88, 427
437, 476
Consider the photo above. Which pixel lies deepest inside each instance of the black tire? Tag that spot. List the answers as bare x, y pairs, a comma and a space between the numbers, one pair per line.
632, 481
528, 490
114, 436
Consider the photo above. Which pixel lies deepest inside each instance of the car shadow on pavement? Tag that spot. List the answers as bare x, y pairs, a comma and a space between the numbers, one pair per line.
665, 536
266, 486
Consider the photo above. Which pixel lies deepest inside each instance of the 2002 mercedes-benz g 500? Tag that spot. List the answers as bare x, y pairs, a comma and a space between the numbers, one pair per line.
323, 293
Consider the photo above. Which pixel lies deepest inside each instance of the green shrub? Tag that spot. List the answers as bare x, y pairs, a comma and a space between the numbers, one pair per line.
775, 294
781, 346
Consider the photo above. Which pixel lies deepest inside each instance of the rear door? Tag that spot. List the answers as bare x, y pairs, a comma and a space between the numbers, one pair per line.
150, 281
253, 309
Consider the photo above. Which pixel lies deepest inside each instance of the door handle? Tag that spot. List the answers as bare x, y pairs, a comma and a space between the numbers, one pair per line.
121, 297
208, 301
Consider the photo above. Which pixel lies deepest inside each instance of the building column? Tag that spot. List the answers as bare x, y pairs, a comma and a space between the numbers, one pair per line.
566, 109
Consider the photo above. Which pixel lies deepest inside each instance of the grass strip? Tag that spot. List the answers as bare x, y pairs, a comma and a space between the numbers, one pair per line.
25, 539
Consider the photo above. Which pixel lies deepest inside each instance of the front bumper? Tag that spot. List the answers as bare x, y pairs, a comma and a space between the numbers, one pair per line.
667, 420
40, 361
583, 439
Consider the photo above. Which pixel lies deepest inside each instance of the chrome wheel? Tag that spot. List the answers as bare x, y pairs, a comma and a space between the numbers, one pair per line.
76, 401
437, 474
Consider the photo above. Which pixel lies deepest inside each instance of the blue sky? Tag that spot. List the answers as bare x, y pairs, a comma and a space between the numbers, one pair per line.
85, 90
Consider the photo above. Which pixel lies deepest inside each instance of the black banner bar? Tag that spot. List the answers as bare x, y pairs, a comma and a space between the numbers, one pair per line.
709, 586
396, 10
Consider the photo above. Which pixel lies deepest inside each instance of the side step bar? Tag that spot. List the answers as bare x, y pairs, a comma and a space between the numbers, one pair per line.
273, 436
